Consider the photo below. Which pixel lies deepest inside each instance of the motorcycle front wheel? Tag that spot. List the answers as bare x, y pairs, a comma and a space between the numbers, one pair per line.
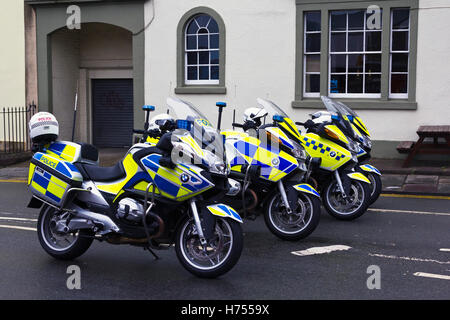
60, 245
351, 207
296, 225
375, 186
215, 258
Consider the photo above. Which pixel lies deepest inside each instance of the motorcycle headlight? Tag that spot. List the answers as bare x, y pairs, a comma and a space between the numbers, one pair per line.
298, 151
353, 146
218, 168
302, 166
367, 142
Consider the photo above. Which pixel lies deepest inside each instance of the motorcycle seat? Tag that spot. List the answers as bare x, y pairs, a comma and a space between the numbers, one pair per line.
101, 174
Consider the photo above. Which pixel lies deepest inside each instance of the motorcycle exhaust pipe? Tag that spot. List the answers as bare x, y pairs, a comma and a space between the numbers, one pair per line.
127, 240
107, 225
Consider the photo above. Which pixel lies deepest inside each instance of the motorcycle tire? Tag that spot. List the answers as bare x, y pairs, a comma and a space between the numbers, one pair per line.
331, 194
276, 223
47, 236
187, 247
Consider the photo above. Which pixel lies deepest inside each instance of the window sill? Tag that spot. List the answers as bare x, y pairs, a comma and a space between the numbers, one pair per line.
201, 89
359, 104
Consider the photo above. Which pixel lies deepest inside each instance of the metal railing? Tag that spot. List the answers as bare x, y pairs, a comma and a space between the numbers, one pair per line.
15, 132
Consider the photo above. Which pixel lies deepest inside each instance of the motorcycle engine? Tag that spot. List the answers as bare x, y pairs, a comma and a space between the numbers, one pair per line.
130, 209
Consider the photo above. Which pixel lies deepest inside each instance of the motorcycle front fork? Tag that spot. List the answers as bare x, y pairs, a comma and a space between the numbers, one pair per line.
339, 183
284, 197
197, 222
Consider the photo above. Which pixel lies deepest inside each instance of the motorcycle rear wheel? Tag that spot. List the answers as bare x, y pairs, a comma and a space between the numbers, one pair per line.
218, 256
62, 246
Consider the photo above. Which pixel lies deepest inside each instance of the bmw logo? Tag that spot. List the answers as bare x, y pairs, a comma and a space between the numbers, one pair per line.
184, 177
332, 154
275, 161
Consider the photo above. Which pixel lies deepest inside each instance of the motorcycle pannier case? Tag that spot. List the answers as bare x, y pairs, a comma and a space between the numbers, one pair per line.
50, 178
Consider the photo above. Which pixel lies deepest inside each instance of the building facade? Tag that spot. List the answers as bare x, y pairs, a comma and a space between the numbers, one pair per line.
386, 59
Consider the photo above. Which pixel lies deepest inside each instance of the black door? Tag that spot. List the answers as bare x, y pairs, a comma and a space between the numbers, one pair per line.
112, 103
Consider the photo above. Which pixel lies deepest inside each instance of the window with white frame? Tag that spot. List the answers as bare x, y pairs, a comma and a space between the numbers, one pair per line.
311, 54
399, 53
354, 55
202, 51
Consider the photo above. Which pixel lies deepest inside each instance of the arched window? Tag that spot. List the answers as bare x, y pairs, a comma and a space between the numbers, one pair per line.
201, 52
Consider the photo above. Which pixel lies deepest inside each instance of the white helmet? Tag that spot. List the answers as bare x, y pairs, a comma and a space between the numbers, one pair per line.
254, 114
43, 127
160, 120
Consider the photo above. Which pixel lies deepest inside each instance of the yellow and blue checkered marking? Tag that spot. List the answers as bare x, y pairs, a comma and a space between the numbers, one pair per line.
263, 156
48, 185
63, 150
315, 145
169, 182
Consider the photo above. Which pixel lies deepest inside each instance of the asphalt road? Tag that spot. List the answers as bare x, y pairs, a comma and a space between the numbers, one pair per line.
404, 237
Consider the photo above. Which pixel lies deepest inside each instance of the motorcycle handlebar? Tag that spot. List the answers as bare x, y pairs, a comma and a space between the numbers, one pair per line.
234, 124
150, 133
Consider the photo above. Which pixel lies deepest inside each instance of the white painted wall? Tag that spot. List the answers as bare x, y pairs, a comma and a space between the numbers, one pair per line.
260, 61
260, 53
12, 54
12, 57
433, 80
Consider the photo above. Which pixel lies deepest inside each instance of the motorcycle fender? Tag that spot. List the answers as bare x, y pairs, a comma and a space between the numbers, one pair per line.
222, 210
306, 188
358, 176
370, 168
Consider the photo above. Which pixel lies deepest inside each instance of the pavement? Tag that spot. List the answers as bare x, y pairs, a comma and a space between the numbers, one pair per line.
422, 177
399, 249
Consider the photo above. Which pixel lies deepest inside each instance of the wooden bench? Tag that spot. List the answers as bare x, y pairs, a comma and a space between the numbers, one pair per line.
405, 146
433, 132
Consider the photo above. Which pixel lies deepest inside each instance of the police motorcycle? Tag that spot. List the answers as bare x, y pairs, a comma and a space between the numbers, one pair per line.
344, 192
260, 178
270, 170
361, 135
156, 197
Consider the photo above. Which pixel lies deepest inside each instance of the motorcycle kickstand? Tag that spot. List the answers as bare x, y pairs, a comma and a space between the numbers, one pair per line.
152, 252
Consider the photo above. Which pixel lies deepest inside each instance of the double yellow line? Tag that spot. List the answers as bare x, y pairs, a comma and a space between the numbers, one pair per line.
395, 195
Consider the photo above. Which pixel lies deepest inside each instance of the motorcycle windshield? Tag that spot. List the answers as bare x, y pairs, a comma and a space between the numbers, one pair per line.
336, 109
275, 113
200, 139
271, 108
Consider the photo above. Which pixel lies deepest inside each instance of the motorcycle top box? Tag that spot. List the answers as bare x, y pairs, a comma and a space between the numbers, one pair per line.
50, 178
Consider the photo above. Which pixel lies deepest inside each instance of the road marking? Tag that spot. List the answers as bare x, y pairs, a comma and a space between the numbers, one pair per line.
410, 211
444, 249
431, 275
408, 258
18, 219
17, 227
13, 180
320, 250
415, 196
